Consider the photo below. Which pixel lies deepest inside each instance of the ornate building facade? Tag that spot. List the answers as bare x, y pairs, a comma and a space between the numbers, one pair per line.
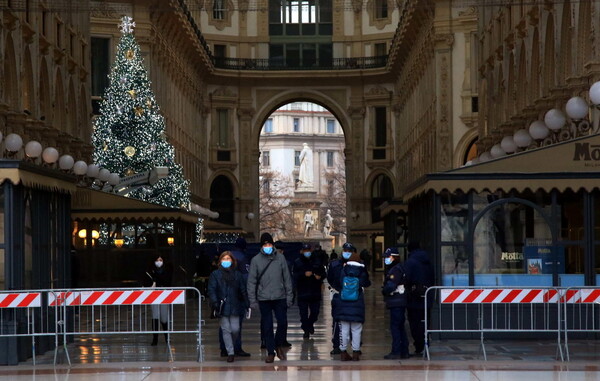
398, 76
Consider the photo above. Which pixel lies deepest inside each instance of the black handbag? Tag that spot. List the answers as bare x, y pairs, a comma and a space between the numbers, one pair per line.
217, 310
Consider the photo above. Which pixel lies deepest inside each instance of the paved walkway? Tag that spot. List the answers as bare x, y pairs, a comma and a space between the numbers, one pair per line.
131, 357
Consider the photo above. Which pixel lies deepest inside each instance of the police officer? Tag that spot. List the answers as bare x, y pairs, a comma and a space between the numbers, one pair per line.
395, 297
308, 274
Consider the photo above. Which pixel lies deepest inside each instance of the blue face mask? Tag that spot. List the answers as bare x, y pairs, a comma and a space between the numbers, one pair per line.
307, 254
268, 250
226, 264
388, 261
346, 255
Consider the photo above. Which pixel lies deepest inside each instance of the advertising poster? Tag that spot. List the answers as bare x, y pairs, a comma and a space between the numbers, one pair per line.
540, 259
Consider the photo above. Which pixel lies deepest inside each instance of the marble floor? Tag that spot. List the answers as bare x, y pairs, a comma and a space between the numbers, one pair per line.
131, 357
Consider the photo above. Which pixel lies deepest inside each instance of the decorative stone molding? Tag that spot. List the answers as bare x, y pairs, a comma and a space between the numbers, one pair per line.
379, 23
225, 22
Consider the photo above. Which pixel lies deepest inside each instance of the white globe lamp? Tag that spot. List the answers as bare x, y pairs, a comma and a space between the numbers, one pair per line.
114, 179
538, 130
577, 108
522, 138
50, 155
595, 93
508, 144
93, 170
13, 142
104, 174
33, 149
496, 151
66, 162
555, 119
80, 168
486, 156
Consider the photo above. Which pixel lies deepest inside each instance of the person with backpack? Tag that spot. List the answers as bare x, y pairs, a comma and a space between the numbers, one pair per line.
270, 290
419, 277
395, 297
350, 302
308, 273
333, 275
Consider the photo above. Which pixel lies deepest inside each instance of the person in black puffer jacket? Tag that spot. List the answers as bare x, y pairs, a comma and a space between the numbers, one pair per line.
308, 273
228, 294
350, 313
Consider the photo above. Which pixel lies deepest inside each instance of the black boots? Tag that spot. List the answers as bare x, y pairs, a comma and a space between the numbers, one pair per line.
155, 335
165, 327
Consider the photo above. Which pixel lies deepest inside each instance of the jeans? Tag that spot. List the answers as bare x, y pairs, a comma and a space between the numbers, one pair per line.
399, 338
230, 325
267, 308
237, 344
309, 314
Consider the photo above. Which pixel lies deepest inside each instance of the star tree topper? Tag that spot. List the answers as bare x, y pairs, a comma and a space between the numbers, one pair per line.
127, 25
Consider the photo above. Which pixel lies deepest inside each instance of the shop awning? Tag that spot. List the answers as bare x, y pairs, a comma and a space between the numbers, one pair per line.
374, 228
89, 204
218, 227
574, 165
36, 176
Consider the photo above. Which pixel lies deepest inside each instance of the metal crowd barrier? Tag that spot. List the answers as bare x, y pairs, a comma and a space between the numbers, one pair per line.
581, 312
485, 310
99, 312
24, 313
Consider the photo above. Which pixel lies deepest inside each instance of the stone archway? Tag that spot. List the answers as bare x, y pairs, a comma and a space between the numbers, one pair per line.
264, 107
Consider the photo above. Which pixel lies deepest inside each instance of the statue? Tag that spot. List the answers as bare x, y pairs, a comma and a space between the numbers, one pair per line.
327, 223
305, 176
308, 222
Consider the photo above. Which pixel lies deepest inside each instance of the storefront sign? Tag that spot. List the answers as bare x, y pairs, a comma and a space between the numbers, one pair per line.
511, 257
539, 259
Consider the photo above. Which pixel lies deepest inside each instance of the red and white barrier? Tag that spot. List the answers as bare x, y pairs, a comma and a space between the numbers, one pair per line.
21, 300
117, 297
477, 296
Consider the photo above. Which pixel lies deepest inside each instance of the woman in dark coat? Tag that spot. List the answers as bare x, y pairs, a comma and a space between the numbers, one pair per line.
159, 274
228, 294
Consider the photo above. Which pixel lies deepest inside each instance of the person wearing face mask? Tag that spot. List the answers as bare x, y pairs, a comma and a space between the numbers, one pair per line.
308, 274
270, 290
159, 274
395, 297
333, 277
228, 294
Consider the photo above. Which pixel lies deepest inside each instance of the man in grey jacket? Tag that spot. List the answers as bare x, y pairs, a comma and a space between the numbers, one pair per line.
270, 286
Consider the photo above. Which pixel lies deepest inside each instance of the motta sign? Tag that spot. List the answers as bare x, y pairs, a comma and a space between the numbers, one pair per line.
586, 152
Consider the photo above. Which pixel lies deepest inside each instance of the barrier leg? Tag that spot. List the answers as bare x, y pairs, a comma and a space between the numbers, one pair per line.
483, 347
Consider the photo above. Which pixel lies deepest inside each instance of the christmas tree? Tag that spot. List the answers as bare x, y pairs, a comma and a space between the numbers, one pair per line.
129, 135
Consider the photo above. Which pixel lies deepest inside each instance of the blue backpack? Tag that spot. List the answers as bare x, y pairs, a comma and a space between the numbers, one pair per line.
350, 288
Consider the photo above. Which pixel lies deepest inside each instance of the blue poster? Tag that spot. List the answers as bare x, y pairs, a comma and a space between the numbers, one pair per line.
540, 259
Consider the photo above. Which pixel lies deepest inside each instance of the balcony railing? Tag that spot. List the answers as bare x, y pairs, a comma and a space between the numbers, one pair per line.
295, 64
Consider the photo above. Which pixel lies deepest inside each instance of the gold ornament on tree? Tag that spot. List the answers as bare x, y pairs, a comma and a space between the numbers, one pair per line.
132, 93
129, 54
105, 147
129, 151
138, 111
129, 172
148, 103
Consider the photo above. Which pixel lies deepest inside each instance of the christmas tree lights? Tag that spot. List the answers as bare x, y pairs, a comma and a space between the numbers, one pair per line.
129, 135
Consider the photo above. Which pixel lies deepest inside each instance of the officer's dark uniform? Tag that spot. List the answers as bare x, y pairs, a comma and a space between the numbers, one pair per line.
396, 301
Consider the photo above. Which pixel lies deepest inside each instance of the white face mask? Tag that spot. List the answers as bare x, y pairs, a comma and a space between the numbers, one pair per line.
158, 264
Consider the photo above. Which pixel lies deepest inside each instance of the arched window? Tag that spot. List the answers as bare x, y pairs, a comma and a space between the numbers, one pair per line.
221, 196
382, 190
